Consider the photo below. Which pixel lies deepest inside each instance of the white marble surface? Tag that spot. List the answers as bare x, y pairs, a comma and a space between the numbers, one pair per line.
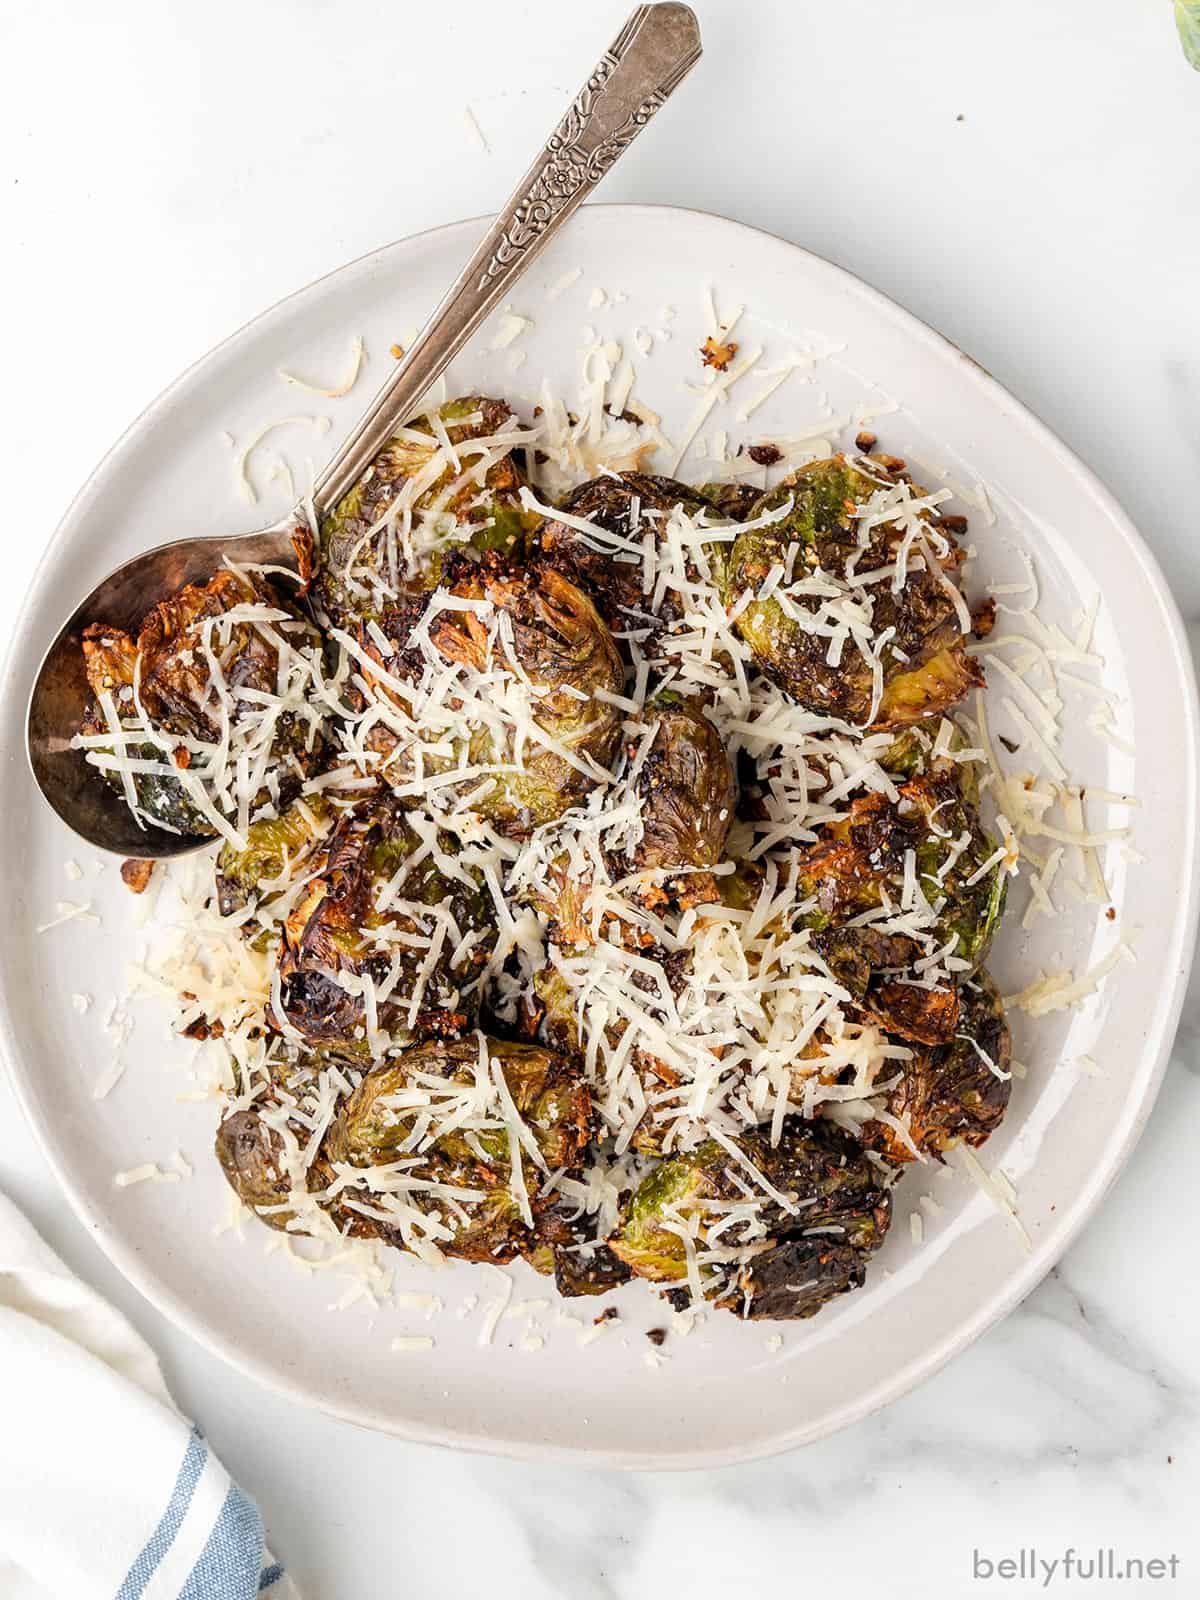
168, 170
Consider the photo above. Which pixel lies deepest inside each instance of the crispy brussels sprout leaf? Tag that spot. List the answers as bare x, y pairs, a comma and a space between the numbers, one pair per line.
366, 925
925, 667
367, 559
959, 1092
939, 683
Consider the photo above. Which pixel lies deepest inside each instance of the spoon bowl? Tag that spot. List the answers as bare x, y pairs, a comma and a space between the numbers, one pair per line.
654, 51
59, 700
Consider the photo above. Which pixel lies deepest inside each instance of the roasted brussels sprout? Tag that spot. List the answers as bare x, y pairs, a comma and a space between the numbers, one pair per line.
383, 943
925, 667
861, 959
563, 655
620, 506
801, 1275
369, 550
193, 681
545, 725
784, 1261
436, 1106
251, 1157
555, 1013
273, 847
685, 785
959, 1092
864, 855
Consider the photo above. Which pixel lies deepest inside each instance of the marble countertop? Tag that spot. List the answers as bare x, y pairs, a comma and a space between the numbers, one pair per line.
1022, 177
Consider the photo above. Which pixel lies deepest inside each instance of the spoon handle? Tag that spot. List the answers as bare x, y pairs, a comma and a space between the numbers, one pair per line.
653, 52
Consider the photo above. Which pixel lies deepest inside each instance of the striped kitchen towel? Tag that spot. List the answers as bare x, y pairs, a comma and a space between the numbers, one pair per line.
106, 1491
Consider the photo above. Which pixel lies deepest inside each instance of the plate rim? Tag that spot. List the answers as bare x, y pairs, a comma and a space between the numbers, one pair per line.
1124, 1134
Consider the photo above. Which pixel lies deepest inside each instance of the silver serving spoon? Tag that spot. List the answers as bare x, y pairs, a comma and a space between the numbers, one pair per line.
655, 49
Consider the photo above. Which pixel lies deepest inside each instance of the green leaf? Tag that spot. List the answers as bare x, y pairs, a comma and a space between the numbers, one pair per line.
1187, 19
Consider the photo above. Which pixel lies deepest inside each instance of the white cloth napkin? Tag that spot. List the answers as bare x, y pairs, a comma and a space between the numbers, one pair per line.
106, 1491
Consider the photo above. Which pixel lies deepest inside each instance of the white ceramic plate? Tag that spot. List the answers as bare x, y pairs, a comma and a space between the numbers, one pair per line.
722, 1394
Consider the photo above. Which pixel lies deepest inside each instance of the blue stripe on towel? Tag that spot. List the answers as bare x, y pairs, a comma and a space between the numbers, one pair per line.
159, 1542
230, 1565
270, 1575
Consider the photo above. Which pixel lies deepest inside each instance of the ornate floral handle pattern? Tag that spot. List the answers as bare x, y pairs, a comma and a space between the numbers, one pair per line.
569, 171
575, 159
654, 51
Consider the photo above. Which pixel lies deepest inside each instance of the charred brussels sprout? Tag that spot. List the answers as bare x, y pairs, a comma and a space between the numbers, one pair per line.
958, 1093
620, 506
563, 659
197, 718
685, 785
860, 958
367, 559
788, 1270
437, 1107
438, 1081
925, 667
383, 941
864, 856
